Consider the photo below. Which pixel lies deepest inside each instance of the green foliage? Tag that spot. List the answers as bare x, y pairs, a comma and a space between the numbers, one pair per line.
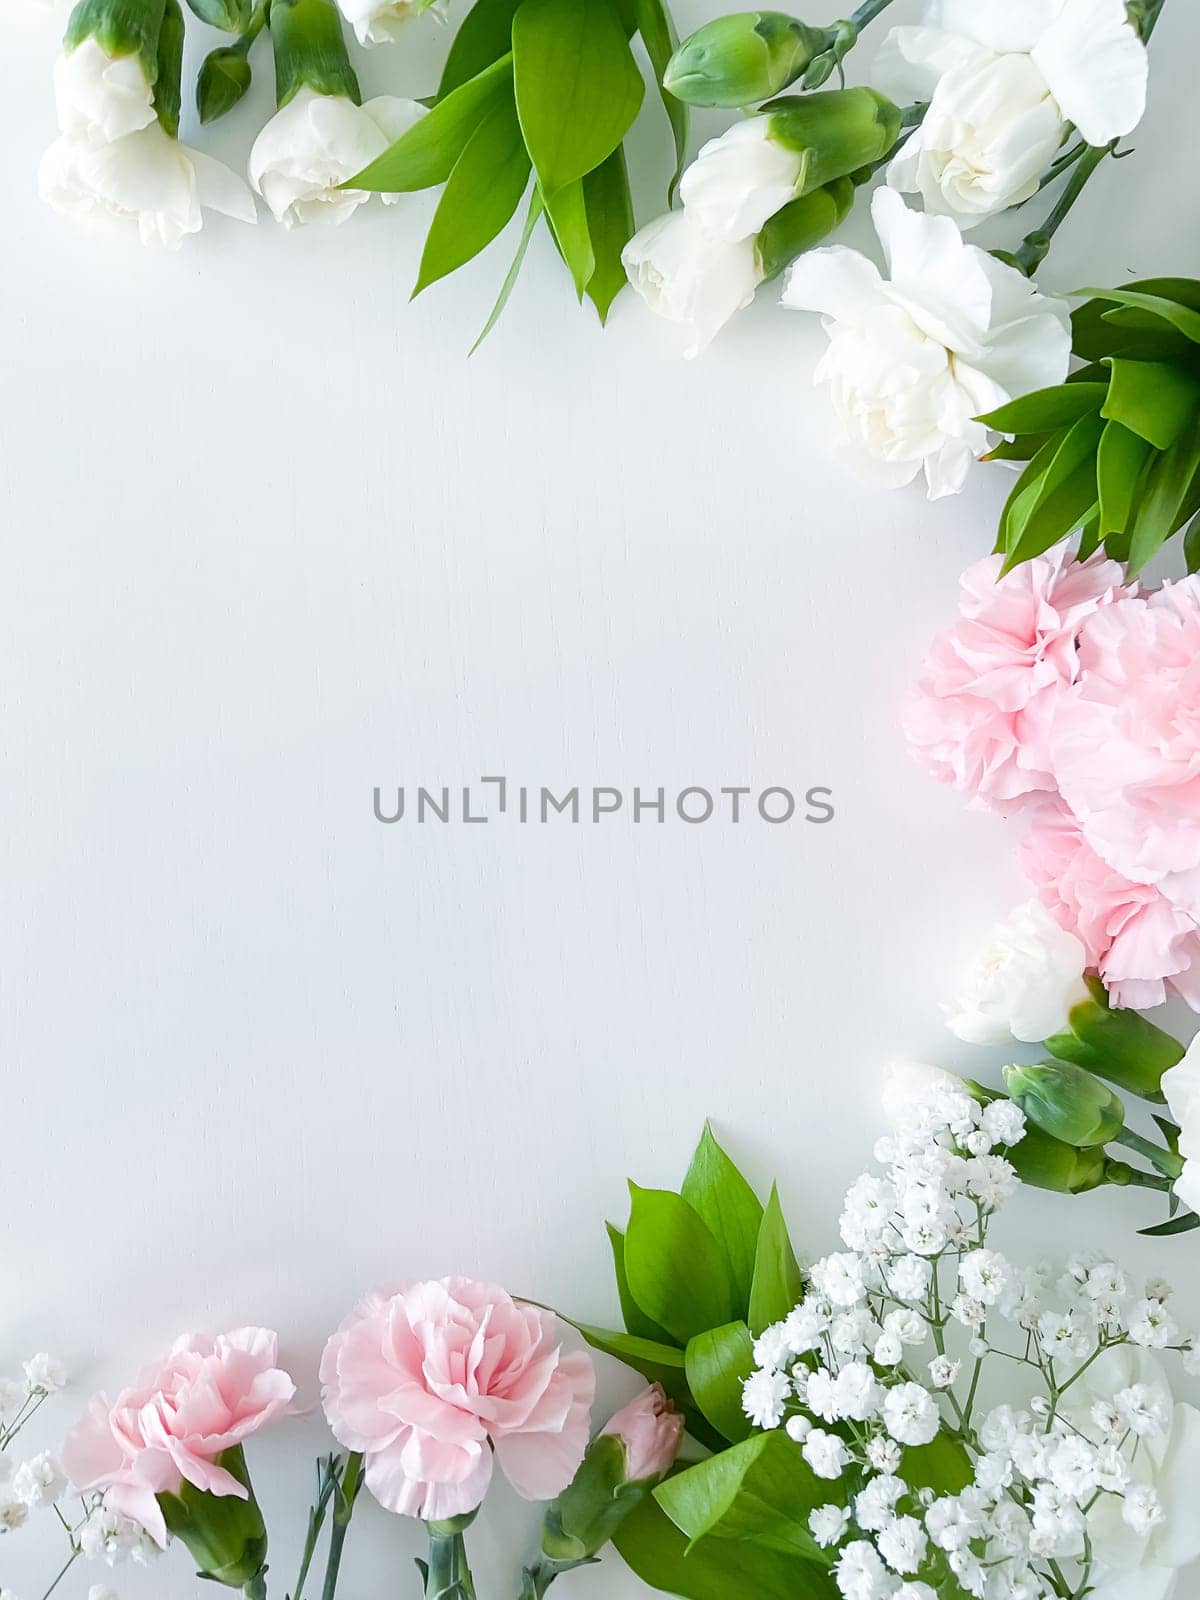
1114, 453
225, 1536
231, 16
547, 88
778, 1282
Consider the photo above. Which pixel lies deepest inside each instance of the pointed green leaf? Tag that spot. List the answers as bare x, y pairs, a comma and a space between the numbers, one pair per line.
567, 214
636, 1320
1121, 460
676, 1269
1065, 494
778, 1282
532, 217
1183, 1223
1191, 546
1170, 495
653, 1361
578, 86
1046, 409
718, 1363
761, 1490
610, 227
717, 1569
1154, 399
718, 1193
481, 196
484, 35
426, 154
658, 35
1183, 318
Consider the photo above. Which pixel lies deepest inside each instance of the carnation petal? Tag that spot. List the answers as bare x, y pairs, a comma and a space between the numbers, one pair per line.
1097, 68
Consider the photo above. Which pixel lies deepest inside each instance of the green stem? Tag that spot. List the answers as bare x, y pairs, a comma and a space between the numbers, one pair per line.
448, 1574
1036, 245
327, 1479
869, 10
344, 1510
1171, 1166
70, 1562
535, 1580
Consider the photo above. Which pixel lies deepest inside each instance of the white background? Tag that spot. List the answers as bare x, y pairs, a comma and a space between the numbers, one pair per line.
270, 539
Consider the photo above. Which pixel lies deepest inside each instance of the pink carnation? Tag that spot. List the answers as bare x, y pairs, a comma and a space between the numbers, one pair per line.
426, 1378
1141, 945
981, 713
182, 1413
651, 1430
1126, 744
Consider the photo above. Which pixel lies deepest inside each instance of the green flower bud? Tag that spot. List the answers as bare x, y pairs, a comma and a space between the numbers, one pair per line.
231, 16
224, 79
1119, 1046
801, 224
225, 1536
1067, 1102
168, 90
835, 132
1047, 1163
742, 59
310, 50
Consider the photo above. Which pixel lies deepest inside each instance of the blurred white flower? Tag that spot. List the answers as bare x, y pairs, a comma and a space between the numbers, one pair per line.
13, 1512
12, 1397
915, 358
40, 1481
1004, 83
146, 179
689, 277
318, 141
382, 21
101, 1591
44, 1372
101, 97
1023, 984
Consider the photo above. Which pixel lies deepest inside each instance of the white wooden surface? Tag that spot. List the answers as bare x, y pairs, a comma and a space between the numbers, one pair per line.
270, 539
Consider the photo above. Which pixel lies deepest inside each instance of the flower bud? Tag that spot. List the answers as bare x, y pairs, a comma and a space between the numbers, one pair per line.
310, 50
120, 29
834, 132
1066, 1102
1044, 1162
742, 59
224, 79
629, 1456
231, 16
225, 1536
1118, 1045
801, 224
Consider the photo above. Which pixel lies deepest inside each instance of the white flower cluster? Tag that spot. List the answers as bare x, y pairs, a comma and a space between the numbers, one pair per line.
1066, 1480
39, 1483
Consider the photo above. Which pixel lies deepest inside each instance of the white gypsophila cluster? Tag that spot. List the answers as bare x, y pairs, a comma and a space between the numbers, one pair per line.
1065, 1483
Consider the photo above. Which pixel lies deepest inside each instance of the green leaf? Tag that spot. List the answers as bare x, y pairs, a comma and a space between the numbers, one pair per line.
609, 212
1183, 1223
761, 1490
481, 196
483, 37
1121, 459
677, 1271
658, 1363
658, 35
1046, 409
718, 1569
426, 154
1154, 399
942, 1465
778, 1282
1065, 494
1168, 498
1191, 546
1183, 318
721, 1197
568, 218
1022, 448
532, 217
636, 1320
718, 1363
578, 86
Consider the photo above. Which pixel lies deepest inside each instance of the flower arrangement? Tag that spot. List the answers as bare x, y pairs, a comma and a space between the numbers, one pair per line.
913, 1417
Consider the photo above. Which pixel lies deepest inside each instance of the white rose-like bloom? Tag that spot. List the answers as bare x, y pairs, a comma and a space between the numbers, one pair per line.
740, 180
147, 178
906, 1084
318, 141
914, 358
1181, 1085
691, 278
1136, 1565
382, 21
1023, 985
101, 97
1004, 81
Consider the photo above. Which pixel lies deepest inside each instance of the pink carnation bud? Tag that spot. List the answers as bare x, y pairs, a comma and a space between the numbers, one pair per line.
651, 1430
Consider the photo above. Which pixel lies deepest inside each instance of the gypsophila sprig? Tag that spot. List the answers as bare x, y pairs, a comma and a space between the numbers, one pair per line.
887, 1356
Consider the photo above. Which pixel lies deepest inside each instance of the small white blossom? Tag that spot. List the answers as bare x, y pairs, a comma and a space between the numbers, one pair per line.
797, 1429
910, 1415
13, 1512
1142, 1509
764, 1395
839, 1279
43, 1373
1152, 1326
825, 1453
40, 1481
12, 1397
902, 1545
828, 1524
943, 1371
